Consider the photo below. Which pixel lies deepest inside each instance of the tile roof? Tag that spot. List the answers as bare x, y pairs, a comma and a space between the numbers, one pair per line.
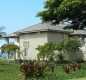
43, 27
79, 32
46, 27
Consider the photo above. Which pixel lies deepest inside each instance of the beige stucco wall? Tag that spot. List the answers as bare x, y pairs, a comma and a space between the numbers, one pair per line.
34, 39
16, 41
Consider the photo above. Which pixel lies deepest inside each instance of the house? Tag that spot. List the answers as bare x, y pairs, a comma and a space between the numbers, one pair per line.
29, 38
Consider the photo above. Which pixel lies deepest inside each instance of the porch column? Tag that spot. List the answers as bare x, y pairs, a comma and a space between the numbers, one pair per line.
17, 54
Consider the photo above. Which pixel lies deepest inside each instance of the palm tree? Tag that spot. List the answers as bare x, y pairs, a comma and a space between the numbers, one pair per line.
9, 48
2, 33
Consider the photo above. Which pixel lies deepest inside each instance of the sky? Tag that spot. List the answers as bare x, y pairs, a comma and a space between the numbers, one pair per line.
18, 14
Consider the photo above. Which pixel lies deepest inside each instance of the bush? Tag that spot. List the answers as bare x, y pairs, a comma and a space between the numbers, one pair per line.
32, 69
79, 60
61, 58
72, 67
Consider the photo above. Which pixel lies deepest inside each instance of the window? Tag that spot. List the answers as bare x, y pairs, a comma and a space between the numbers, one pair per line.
26, 44
25, 51
26, 47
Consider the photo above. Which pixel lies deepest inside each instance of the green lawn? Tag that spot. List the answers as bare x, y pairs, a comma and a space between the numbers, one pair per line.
61, 75
11, 72
79, 79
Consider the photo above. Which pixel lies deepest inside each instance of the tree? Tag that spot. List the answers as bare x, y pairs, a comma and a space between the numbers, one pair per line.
73, 11
70, 45
9, 48
60, 47
2, 33
46, 51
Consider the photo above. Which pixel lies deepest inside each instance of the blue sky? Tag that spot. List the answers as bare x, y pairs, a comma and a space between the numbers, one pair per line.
18, 14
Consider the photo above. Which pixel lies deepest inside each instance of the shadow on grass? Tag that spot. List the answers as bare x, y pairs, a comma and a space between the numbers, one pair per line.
4, 63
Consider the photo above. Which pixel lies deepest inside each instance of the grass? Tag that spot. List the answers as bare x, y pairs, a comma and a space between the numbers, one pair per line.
10, 71
61, 75
79, 79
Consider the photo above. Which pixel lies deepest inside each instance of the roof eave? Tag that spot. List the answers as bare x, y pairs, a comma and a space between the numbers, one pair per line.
77, 34
10, 36
43, 30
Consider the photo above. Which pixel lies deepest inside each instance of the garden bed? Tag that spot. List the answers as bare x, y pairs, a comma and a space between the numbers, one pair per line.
11, 72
